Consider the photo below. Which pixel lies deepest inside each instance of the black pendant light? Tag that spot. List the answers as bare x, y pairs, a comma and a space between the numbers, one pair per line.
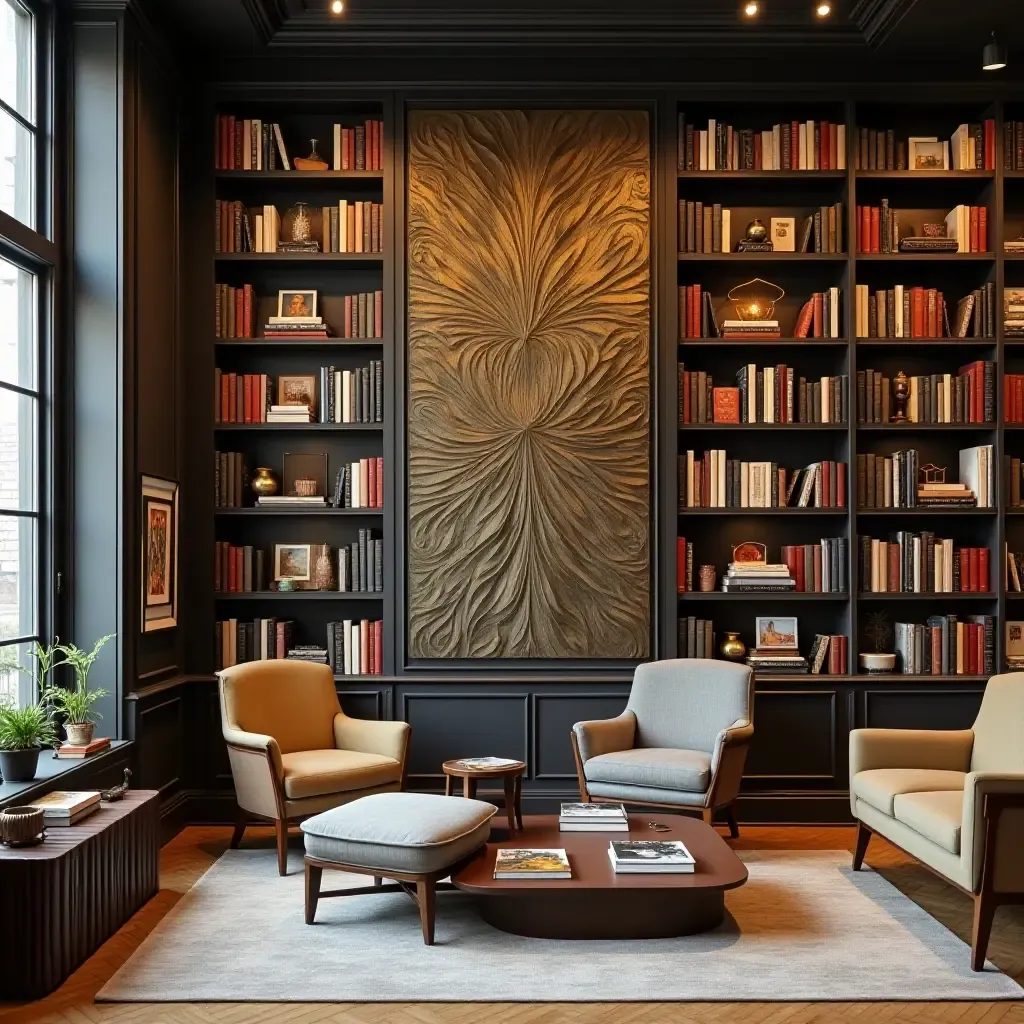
993, 57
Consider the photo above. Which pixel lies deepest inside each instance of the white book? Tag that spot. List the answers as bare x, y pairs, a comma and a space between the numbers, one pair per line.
487, 763
983, 476
65, 804
337, 147
802, 147
651, 854
713, 475
833, 305
346, 396
826, 401
898, 302
744, 485
769, 394
356, 480
727, 231
721, 478
841, 147
752, 401
587, 812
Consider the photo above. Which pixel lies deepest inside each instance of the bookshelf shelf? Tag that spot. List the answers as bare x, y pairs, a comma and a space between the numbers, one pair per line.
291, 176
952, 596
920, 511
768, 257
717, 595
351, 428
299, 511
303, 595
926, 257
866, 677
765, 342
925, 175
925, 342
1013, 256
704, 427
913, 428
299, 257
763, 512
764, 175
308, 343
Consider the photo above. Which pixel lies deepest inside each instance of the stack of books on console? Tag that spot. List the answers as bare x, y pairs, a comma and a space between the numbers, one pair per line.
291, 500
651, 857
757, 577
593, 818
296, 327
752, 329
308, 652
516, 864
290, 414
74, 752
61, 809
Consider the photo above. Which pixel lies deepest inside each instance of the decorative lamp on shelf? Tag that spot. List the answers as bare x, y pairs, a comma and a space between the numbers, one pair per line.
755, 299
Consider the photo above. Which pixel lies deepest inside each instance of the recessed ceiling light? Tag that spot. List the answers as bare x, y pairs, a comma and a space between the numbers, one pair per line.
337, 6
823, 10
751, 8
993, 57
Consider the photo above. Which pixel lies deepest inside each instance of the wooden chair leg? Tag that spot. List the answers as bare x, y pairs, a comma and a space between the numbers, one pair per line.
708, 814
730, 817
313, 875
425, 897
281, 828
863, 838
240, 823
984, 912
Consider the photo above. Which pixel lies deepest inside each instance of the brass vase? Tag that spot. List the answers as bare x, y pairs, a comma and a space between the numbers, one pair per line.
264, 482
732, 647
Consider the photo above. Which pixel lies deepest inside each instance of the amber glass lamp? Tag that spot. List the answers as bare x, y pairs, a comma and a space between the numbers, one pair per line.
755, 299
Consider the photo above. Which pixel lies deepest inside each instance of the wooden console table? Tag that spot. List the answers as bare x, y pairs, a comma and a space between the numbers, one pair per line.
63, 899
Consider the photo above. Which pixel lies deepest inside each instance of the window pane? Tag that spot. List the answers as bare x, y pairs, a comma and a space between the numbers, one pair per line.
16, 58
19, 341
19, 484
18, 573
16, 685
17, 170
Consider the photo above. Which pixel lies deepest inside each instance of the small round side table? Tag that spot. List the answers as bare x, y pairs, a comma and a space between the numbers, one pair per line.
512, 779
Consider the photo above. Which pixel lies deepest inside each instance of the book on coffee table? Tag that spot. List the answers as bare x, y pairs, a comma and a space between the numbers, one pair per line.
522, 863
651, 857
593, 818
483, 763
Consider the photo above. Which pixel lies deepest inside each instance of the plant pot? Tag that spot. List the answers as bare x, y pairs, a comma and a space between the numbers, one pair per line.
19, 765
80, 734
875, 663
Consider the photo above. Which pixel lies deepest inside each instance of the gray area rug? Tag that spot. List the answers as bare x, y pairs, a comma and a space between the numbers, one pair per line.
803, 928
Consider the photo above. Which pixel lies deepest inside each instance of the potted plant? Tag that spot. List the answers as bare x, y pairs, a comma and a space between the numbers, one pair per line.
76, 705
23, 733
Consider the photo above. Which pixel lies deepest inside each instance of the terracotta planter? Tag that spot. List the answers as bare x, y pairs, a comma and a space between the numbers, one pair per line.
80, 735
19, 765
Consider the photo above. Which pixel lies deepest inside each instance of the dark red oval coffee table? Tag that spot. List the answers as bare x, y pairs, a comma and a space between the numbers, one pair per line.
596, 903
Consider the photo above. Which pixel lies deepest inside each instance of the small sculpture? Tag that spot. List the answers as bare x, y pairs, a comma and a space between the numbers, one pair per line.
901, 395
115, 793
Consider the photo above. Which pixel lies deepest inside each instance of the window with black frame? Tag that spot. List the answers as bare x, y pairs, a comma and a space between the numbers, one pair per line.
26, 281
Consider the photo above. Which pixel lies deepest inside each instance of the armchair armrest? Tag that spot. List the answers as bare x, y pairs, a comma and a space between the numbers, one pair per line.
727, 761
930, 749
387, 739
993, 830
605, 736
739, 733
256, 743
257, 771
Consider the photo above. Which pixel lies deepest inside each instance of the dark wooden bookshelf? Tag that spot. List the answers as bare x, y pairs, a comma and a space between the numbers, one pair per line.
299, 257
766, 257
295, 176
925, 257
925, 175
303, 595
738, 427
931, 596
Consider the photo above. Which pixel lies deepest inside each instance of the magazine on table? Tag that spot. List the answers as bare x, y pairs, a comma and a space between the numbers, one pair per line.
516, 863
652, 856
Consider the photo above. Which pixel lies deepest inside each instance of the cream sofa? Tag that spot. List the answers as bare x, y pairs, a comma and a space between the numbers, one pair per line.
294, 752
953, 800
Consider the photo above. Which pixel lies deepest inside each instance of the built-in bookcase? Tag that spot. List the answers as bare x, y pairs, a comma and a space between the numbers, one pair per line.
334, 275
919, 197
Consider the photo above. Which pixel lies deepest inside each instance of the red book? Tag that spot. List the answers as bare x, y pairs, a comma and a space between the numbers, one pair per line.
231, 134
979, 648
681, 565
840, 485
819, 315
1018, 399
695, 311
875, 235
803, 321
378, 635
857, 222
826, 479
893, 586
726, 405
232, 416
982, 579
982, 229
371, 497
864, 244
972, 570
835, 656
239, 312
990, 144
379, 467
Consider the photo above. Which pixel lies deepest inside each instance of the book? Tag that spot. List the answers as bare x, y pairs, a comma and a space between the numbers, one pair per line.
514, 863
593, 818
651, 857
71, 752
485, 763
65, 808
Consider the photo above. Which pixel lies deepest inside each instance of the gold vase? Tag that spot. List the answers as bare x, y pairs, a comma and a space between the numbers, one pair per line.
264, 482
732, 647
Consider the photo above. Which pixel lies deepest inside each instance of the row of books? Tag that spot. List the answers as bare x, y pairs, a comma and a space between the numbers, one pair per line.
829, 654
361, 565
252, 144
352, 396
944, 645
241, 229
362, 317
916, 312
894, 481
971, 147
878, 149
1013, 145
355, 647
794, 145
696, 638
234, 311
704, 227
1014, 570
238, 641
351, 226
360, 484
921, 563
239, 569
243, 397
967, 397
818, 568
964, 229
819, 317
1013, 398
230, 480
716, 481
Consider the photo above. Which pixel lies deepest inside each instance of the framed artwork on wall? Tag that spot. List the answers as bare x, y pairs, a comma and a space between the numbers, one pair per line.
159, 554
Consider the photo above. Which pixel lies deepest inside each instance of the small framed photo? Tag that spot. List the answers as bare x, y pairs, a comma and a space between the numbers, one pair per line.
296, 304
926, 154
297, 389
783, 234
304, 466
1015, 639
159, 554
293, 562
777, 633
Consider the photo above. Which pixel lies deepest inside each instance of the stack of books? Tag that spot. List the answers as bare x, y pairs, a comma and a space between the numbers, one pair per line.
295, 327
312, 653
72, 752
651, 857
750, 329
787, 661
1013, 303
291, 500
291, 414
487, 764
952, 495
593, 818
757, 577
519, 864
61, 809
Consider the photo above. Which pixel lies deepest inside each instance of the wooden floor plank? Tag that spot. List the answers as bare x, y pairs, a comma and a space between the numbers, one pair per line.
184, 860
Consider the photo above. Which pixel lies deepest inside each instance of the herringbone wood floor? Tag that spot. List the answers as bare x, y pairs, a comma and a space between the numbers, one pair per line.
192, 852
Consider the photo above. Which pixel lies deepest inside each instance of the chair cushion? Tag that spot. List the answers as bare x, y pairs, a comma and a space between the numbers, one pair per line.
880, 786
317, 772
413, 833
936, 816
653, 767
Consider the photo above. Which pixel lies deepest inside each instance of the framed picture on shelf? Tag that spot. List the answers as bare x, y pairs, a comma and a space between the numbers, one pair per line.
296, 304
927, 154
293, 563
783, 233
297, 389
777, 633
304, 466
159, 553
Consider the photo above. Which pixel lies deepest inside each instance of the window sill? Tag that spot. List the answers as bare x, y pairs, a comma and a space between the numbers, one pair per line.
53, 772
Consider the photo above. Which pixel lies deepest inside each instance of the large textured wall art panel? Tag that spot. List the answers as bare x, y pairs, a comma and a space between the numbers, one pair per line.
529, 384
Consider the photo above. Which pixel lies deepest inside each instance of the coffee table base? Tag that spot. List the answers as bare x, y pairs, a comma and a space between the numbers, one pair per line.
583, 914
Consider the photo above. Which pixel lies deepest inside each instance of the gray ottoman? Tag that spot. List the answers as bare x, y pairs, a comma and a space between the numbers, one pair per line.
414, 838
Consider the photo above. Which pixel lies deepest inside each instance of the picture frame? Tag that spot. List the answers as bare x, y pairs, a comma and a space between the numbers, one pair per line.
304, 466
298, 389
1015, 639
777, 633
296, 305
159, 569
927, 153
783, 233
293, 562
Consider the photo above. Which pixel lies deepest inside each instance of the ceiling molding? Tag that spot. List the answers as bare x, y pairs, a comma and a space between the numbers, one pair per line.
877, 18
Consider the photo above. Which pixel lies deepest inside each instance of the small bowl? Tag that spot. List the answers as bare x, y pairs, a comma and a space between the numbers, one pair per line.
305, 488
877, 662
22, 826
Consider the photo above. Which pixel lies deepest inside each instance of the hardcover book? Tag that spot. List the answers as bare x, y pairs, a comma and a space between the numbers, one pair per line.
516, 863
651, 856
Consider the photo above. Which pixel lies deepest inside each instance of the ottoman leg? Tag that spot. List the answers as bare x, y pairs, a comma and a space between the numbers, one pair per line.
425, 898
313, 875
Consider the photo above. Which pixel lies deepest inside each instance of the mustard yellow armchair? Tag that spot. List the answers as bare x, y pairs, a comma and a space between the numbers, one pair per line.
294, 752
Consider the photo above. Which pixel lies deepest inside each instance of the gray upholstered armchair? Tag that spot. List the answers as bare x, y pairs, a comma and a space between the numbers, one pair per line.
681, 742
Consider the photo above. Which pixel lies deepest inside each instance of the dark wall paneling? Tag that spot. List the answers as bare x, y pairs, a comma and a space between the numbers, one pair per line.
896, 707
796, 734
371, 704
529, 342
554, 715
160, 744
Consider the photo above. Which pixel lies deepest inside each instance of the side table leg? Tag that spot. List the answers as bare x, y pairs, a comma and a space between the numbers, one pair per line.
448, 785
518, 802
510, 798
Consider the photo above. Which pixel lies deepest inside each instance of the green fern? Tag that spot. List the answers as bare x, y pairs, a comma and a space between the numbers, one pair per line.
26, 728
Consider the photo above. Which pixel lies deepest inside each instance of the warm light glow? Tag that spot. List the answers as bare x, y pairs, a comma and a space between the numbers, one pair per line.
337, 6
823, 10
751, 8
